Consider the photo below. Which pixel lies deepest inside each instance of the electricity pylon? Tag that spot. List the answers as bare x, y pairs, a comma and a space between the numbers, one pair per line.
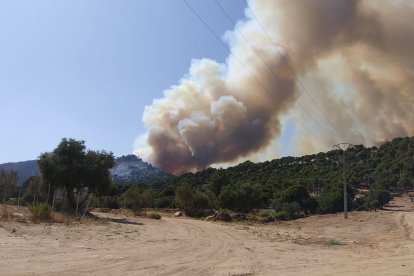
344, 147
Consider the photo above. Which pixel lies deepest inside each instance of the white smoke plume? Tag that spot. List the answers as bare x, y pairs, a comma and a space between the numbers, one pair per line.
353, 57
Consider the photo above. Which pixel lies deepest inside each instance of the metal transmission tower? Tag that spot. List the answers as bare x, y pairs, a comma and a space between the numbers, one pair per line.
344, 147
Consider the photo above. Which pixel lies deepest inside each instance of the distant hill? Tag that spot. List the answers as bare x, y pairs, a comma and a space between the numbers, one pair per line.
128, 169
390, 166
131, 169
24, 169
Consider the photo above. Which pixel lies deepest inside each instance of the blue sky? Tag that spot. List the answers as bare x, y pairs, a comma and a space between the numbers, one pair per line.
86, 69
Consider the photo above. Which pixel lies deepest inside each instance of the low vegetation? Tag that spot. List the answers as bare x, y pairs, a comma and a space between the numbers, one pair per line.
41, 212
154, 215
75, 179
333, 242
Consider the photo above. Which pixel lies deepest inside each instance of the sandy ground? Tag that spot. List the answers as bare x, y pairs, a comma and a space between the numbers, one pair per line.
369, 243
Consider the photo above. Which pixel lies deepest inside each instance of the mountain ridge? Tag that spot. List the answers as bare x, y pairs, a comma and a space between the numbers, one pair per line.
129, 169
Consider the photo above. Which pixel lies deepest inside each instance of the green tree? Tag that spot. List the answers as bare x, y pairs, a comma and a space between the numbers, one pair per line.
133, 198
218, 180
71, 166
242, 197
148, 198
184, 196
194, 202
295, 193
331, 201
35, 190
378, 198
8, 180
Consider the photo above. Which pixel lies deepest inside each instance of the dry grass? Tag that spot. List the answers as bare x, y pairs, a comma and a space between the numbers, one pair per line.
41, 212
5, 214
153, 215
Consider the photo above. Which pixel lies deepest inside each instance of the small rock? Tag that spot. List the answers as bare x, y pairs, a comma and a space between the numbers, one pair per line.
223, 216
19, 215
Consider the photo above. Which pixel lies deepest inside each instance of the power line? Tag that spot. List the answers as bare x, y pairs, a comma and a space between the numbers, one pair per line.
267, 65
238, 60
293, 72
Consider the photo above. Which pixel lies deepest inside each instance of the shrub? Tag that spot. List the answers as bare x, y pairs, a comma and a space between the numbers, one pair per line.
383, 197
331, 201
154, 215
41, 212
266, 216
292, 209
372, 204
282, 215
294, 193
164, 202
133, 199
5, 214
332, 242
194, 203
277, 204
242, 197
377, 199
310, 205
110, 202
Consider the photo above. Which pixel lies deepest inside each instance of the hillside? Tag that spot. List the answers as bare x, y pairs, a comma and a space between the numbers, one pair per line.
128, 169
389, 166
131, 169
24, 169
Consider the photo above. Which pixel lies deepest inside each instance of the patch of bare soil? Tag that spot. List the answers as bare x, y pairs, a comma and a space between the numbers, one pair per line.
368, 243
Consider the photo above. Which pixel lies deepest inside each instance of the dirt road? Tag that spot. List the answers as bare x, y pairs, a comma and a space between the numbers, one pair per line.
369, 243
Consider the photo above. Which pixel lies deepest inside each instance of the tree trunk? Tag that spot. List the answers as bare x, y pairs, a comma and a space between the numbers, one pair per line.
71, 197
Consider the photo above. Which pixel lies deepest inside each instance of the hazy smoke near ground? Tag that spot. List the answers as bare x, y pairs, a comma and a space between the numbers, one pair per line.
354, 58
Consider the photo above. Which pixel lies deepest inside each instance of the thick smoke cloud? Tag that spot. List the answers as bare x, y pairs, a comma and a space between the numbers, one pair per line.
354, 57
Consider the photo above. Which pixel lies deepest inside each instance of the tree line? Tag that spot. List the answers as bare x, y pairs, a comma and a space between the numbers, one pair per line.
292, 186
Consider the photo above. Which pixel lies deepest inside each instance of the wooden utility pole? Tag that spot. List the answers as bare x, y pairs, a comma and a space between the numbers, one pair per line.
344, 147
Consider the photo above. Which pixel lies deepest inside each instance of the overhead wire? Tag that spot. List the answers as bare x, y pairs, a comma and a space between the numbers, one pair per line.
243, 65
268, 67
293, 71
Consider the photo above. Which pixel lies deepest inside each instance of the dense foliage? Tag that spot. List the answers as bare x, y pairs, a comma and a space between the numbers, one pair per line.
291, 186
314, 182
71, 167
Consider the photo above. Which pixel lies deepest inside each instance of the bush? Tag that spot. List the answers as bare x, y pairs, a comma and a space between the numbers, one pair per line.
282, 215
377, 199
295, 193
277, 204
242, 197
383, 197
332, 242
194, 203
133, 199
41, 212
293, 210
266, 216
331, 201
5, 215
110, 202
154, 215
289, 210
372, 204
310, 206
164, 202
